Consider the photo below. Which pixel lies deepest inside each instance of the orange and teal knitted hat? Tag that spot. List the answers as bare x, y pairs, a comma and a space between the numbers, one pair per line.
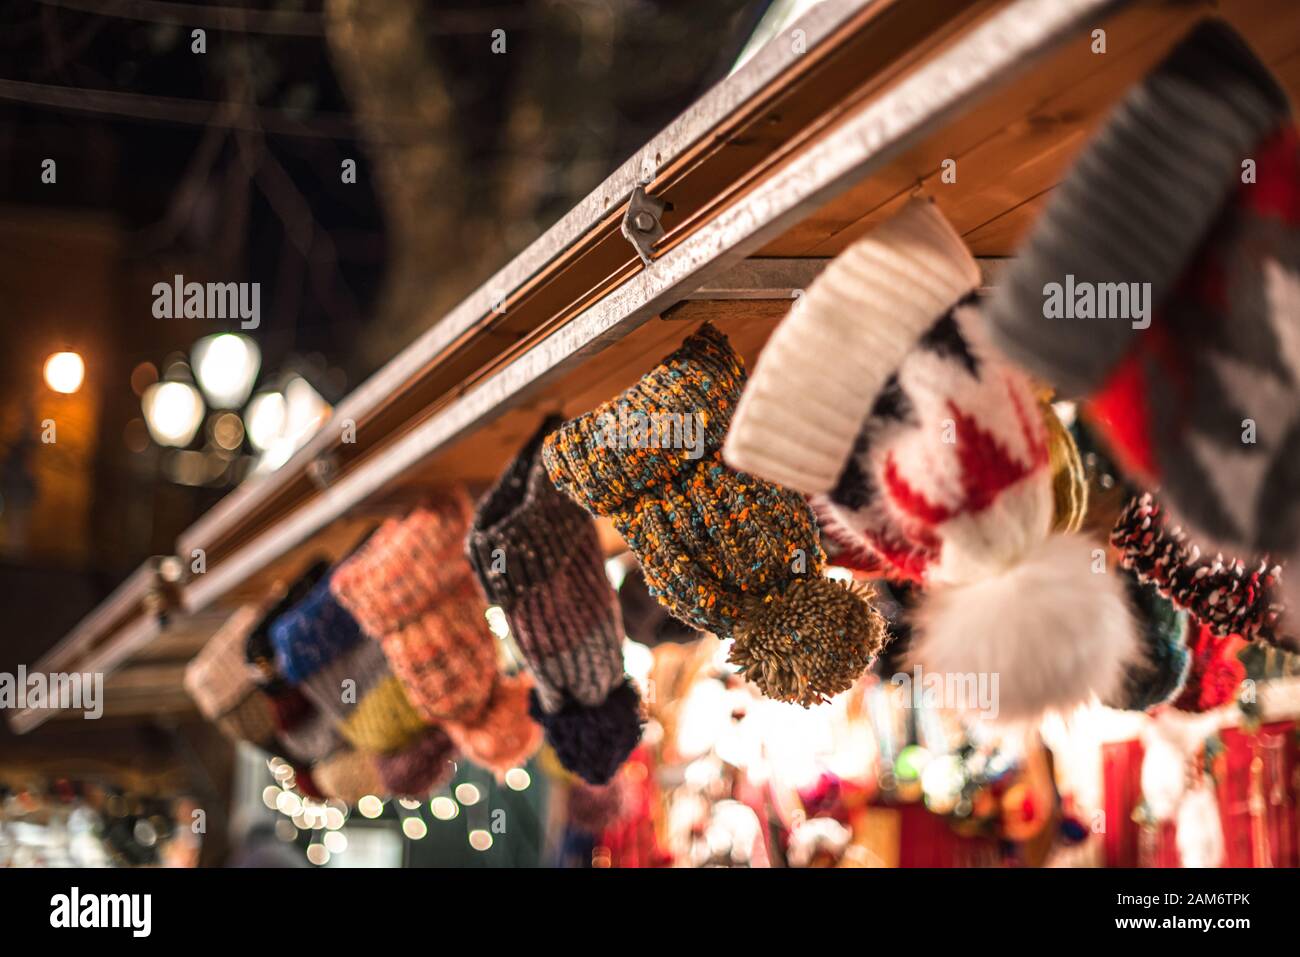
722, 550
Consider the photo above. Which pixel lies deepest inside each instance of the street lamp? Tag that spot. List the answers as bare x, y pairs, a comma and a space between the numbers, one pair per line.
173, 411
226, 366
64, 372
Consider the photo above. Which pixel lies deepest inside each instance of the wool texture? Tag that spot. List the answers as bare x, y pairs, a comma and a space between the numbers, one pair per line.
348, 776
594, 742
219, 678
884, 293
251, 720
383, 719
410, 588
420, 768
1222, 593
303, 732
1201, 395
504, 736
338, 688
312, 736
312, 634
259, 650
537, 556
320, 648
949, 480
722, 550
224, 685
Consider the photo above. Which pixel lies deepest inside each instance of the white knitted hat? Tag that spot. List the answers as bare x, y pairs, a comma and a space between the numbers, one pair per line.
823, 367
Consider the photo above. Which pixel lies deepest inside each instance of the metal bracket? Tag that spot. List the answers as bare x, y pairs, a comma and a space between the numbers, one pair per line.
641, 223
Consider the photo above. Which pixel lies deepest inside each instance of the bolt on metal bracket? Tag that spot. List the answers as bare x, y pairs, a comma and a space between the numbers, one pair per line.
641, 223
323, 470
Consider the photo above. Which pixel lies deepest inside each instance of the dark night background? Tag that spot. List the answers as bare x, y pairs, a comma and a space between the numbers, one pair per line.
225, 166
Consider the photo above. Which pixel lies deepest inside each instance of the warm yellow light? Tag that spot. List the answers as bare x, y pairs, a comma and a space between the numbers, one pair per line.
444, 808
517, 779
370, 806
64, 372
173, 411
414, 828
480, 839
467, 794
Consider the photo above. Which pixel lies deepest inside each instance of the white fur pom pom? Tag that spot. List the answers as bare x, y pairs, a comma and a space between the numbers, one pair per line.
1053, 633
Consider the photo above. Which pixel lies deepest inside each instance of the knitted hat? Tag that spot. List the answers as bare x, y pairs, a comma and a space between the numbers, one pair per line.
259, 651
644, 619
302, 730
410, 588
423, 766
841, 346
383, 719
223, 684
1159, 672
1187, 203
348, 776
319, 647
309, 735
1223, 594
722, 550
537, 556
251, 720
948, 477
339, 687
505, 735
312, 634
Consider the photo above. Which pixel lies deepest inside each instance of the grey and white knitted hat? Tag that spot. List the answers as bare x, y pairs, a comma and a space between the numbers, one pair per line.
1186, 202
536, 554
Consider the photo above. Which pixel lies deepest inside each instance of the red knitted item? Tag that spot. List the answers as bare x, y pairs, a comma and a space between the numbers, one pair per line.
407, 566
1215, 673
1221, 351
411, 588
503, 736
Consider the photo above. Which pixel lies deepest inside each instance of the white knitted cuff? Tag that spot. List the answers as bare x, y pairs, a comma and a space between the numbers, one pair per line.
820, 372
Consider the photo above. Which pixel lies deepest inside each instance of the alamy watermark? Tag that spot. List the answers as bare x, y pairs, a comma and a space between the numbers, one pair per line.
74, 910
59, 690
633, 429
1098, 300
179, 299
968, 692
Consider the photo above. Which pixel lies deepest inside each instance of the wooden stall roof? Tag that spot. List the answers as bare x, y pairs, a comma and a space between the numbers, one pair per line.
827, 131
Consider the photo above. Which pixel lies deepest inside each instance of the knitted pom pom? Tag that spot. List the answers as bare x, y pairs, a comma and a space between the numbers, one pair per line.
419, 768
593, 742
348, 776
810, 642
503, 736
1053, 634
